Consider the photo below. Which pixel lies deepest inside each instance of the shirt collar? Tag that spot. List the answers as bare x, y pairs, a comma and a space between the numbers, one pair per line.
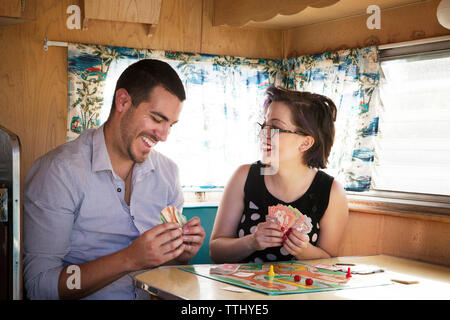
100, 156
101, 160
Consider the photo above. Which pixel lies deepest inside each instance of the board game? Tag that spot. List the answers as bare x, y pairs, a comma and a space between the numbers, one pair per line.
290, 277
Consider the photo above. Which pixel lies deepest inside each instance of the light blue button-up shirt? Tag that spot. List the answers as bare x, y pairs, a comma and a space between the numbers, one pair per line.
75, 212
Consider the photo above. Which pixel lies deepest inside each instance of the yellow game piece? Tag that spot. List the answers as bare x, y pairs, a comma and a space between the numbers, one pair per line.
271, 273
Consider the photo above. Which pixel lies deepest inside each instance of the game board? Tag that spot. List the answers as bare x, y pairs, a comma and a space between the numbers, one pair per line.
255, 276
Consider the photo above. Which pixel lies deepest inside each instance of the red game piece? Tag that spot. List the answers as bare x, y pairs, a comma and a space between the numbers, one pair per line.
309, 281
297, 278
349, 274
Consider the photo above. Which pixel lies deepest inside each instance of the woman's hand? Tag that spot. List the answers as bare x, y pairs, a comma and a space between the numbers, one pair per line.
294, 242
267, 234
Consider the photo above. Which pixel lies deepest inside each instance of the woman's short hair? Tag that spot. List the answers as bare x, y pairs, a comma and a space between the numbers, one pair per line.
313, 114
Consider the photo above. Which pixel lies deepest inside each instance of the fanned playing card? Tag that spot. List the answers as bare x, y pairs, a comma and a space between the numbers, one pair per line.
171, 214
288, 216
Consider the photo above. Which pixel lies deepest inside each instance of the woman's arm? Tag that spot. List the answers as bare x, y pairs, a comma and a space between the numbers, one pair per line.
332, 227
224, 246
334, 221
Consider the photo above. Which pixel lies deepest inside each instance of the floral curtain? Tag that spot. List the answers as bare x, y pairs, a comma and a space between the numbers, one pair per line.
350, 78
224, 97
216, 131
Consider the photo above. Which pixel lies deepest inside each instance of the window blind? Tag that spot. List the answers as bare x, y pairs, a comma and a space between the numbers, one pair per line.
412, 151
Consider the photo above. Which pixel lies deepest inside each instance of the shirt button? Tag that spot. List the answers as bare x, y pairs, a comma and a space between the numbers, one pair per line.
119, 190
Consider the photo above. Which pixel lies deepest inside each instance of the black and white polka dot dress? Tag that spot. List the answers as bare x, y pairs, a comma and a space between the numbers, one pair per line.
257, 200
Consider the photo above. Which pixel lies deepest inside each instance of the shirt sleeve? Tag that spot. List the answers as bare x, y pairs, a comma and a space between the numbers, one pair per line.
176, 198
49, 209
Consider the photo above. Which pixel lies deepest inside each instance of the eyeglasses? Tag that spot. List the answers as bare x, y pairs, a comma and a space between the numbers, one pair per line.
269, 130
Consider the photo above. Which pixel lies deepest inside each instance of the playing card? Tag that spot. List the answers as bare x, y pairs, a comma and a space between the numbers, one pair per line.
171, 214
224, 269
288, 216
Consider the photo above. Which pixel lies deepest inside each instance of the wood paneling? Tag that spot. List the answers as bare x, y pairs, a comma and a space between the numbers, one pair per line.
411, 22
179, 27
419, 237
11, 8
11, 11
363, 235
141, 11
244, 42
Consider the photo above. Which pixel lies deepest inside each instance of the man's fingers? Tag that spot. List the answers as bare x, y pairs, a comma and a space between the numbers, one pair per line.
193, 239
195, 230
162, 228
170, 255
171, 245
193, 222
169, 236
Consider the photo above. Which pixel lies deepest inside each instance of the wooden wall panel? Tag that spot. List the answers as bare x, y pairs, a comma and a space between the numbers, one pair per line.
179, 27
143, 11
243, 42
406, 23
34, 93
417, 239
425, 238
363, 235
10, 8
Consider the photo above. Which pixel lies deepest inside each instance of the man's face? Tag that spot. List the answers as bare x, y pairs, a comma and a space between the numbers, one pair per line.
142, 127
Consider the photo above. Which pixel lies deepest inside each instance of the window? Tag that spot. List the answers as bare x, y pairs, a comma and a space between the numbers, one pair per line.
216, 131
412, 152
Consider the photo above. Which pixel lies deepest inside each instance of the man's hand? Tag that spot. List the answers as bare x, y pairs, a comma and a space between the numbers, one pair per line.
155, 247
193, 236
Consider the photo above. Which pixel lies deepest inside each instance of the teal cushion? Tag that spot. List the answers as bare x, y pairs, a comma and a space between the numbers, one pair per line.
207, 215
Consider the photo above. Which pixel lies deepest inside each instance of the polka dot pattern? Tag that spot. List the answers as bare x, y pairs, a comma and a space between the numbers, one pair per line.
257, 199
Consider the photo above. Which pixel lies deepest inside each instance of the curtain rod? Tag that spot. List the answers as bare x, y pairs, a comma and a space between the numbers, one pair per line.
49, 43
413, 42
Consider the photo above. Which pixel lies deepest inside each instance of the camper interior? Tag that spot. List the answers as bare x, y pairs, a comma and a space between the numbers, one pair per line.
385, 64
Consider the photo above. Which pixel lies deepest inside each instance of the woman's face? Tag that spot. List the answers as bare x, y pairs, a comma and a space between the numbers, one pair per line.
284, 145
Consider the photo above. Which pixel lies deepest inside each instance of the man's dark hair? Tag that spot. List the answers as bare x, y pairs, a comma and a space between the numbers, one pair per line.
141, 77
313, 114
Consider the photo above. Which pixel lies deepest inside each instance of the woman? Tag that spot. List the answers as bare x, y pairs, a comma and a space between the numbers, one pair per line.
297, 135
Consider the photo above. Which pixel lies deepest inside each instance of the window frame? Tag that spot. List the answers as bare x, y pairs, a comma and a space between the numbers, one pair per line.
397, 200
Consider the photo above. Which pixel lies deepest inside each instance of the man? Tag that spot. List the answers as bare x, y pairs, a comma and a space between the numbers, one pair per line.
91, 206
